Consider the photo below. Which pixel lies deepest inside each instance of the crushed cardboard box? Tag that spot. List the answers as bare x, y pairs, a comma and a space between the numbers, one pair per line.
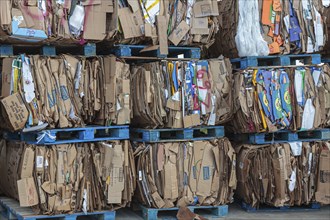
285, 174
64, 91
69, 177
178, 174
270, 99
182, 94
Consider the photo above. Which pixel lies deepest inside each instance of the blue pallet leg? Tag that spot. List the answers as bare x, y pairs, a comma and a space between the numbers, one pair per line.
87, 134
316, 59
48, 50
149, 214
90, 49
108, 216
220, 211
123, 51
292, 137
6, 50
193, 53
315, 205
219, 132
151, 136
285, 61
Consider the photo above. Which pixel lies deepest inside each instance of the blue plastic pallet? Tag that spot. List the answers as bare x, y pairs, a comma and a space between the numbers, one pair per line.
281, 60
71, 135
48, 50
286, 136
216, 211
122, 50
12, 210
266, 208
177, 134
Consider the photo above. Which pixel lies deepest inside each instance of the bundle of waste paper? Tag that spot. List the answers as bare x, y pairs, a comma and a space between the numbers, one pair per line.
68, 178
64, 91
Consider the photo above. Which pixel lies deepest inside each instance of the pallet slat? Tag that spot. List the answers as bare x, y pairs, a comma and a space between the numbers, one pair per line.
265, 208
140, 50
179, 134
11, 211
216, 211
283, 136
281, 60
87, 50
71, 135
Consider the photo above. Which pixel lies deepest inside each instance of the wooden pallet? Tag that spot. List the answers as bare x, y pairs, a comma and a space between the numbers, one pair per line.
48, 50
10, 209
215, 211
178, 134
122, 50
266, 208
71, 135
281, 60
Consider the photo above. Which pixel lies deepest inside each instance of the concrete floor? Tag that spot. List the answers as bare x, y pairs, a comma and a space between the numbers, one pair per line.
236, 213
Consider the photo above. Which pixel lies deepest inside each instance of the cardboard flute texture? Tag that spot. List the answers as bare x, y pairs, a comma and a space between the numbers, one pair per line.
177, 174
68, 177
275, 176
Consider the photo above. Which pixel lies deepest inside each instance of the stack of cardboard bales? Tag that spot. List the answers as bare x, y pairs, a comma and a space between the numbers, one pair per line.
268, 99
185, 173
68, 178
287, 174
64, 91
182, 93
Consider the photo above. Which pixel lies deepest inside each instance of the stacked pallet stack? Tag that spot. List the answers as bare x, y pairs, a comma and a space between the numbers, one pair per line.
281, 119
67, 146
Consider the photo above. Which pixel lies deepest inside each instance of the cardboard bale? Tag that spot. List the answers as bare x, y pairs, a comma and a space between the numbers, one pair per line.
69, 177
64, 91
272, 99
279, 174
279, 27
178, 174
182, 94
322, 194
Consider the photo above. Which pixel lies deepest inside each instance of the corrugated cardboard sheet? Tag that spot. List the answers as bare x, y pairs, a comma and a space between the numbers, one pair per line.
283, 174
182, 94
69, 177
65, 91
290, 98
185, 173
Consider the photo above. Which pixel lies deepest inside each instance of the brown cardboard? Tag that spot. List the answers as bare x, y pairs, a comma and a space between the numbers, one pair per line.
6, 76
322, 194
15, 111
191, 120
27, 163
179, 32
116, 185
28, 195
95, 23
162, 34
206, 8
131, 23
